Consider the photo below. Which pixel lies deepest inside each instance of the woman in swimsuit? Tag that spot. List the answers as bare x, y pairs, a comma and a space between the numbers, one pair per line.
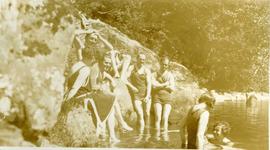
163, 84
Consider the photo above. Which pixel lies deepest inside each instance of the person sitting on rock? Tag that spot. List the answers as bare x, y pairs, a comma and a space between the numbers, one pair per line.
163, 84
220, 131
78, 88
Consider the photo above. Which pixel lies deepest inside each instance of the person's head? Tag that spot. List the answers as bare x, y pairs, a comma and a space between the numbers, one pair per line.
165, 61
90, 40
208, 99
251, 100
221, 129
141, 59
107, 63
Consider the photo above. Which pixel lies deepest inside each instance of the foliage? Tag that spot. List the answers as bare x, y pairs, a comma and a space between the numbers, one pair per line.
32, 59
225, 44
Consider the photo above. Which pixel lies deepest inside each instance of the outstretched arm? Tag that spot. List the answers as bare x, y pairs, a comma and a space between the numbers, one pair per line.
113, 54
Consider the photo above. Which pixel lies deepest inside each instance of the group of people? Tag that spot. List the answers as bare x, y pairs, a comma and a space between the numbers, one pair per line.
92, 80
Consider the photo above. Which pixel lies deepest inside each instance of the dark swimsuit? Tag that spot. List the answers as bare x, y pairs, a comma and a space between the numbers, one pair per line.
192, 127
139, 81
161, 95
103, 101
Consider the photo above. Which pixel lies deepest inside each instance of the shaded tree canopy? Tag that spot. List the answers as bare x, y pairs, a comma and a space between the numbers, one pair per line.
224, 43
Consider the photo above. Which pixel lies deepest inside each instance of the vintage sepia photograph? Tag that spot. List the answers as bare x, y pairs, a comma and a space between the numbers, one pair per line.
141, 74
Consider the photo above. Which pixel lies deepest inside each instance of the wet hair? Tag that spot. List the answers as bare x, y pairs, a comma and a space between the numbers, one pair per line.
225, 127
208, 99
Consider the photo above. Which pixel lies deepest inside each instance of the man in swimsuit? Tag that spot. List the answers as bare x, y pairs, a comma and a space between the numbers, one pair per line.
140, 77
197, 121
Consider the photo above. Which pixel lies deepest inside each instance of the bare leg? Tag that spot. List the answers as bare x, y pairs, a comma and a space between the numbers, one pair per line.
120, 118
165, 116
158, 111
139, 110
126, 62
100, 131
111, 126
147, 112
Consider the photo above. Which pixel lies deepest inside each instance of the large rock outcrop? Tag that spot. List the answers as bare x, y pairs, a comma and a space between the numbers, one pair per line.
80, 123
187, 86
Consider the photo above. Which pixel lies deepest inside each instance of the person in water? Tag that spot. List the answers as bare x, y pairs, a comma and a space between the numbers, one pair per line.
197, 121
163, 84
220, 131
140, 77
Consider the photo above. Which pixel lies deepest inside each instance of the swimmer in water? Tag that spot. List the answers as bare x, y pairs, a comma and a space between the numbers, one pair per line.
219, 137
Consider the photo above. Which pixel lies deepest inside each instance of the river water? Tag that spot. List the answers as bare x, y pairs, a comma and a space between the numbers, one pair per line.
249, 128
249, 125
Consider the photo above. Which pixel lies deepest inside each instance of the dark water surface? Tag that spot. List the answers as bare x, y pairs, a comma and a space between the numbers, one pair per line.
249, 129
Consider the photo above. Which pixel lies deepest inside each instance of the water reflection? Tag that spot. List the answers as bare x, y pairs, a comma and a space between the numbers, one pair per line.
249, 122
249, 129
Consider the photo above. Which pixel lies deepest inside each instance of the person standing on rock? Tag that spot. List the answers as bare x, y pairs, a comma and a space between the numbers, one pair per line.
140, 77
197, 121
163, 85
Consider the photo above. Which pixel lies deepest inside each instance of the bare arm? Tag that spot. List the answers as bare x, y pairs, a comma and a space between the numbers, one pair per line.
81, 79
171, 83
108, 44
114, 58
148, 82
128, 73
113, 54
203, 122
155, 83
